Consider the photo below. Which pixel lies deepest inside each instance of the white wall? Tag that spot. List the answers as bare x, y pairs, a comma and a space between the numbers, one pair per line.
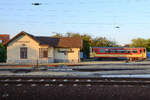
13, 49
70, 56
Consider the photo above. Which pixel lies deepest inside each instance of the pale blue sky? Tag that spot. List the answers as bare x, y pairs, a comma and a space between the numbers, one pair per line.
93, 17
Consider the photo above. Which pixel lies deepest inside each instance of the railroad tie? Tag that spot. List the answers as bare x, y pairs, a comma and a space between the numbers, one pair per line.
60, 85
65, 80
75, 85
19, 85
88, 85
33, 85
5, 84
54, 80
46, 85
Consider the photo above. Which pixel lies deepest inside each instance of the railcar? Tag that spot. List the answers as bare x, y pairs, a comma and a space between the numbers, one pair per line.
132, 54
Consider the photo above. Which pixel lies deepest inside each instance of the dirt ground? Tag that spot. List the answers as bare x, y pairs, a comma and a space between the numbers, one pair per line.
96, 92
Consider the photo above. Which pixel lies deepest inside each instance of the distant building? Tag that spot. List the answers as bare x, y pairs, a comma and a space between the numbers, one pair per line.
26, 48
4, 38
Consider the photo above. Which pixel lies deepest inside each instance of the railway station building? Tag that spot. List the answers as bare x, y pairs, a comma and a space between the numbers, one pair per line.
25, 48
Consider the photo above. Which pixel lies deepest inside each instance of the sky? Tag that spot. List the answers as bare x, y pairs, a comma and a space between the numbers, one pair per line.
98, 18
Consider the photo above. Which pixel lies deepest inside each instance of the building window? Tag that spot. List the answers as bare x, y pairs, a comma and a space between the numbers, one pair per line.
23, 53
43, 52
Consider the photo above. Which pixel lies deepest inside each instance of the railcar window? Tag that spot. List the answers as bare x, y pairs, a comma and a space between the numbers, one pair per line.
134, 51
122, 51
108, 51
102, 51
128, 51
113, 51
140, 51
119, 51
116, 51
144, 50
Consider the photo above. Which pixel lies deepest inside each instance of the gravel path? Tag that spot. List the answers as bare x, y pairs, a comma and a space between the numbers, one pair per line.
97, 70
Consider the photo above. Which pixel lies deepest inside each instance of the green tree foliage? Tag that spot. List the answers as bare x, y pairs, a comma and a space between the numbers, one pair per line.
88, 41
139, 42
3, 53
58, 35
148, 44
103, 42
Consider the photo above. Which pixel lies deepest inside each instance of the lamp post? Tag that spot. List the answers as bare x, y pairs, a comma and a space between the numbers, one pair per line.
36, 4
115, 31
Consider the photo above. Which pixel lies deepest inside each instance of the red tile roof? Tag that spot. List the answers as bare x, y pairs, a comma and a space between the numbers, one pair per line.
64, 42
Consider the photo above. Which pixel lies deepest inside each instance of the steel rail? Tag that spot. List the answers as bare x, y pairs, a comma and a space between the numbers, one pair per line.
72, 78
77, 82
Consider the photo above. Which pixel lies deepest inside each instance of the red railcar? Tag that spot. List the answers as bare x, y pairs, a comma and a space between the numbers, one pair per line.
131, 53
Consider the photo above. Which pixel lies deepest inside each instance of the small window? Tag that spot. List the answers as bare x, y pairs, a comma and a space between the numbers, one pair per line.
122, 51
140, 51
0, 41
102, 51
119, 51
108, 50
43, 52
128, 51
144, 50
113, 51
23, 53
134, 51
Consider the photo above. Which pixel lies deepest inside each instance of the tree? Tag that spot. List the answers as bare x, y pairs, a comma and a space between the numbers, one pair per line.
87, 43
57, 35
139, 42
104, 42
3, 53
148, 44
70, 34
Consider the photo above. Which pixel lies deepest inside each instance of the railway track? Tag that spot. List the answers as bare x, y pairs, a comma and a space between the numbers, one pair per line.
75, 81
